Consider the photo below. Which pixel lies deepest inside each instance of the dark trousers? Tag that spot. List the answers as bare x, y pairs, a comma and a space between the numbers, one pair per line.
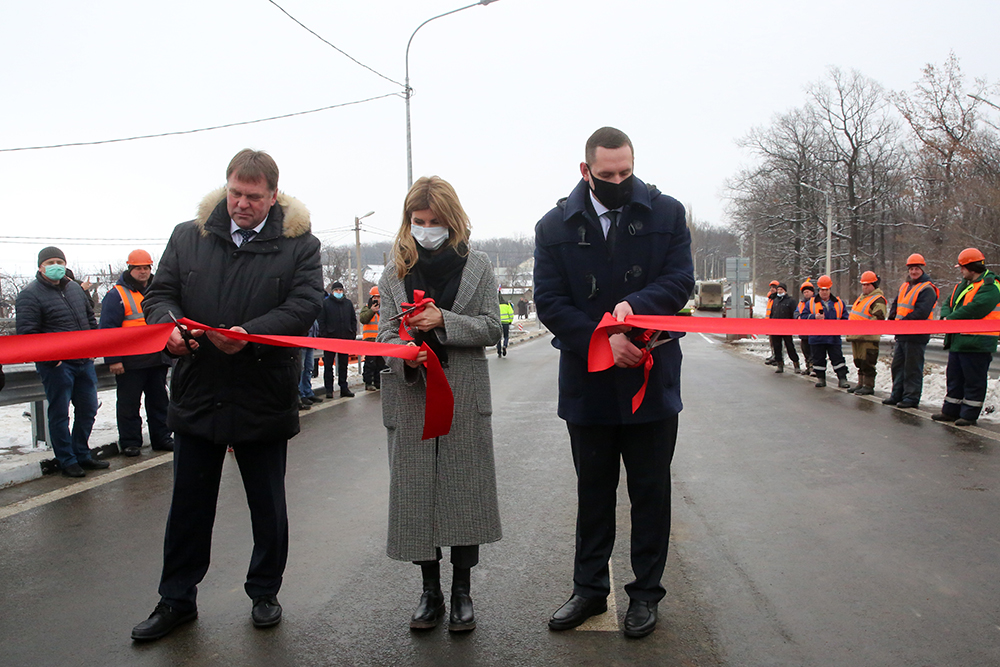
342, 361
188, 541
647, 450
505, 338
806, 350
462, 557
789, 343
908, 371
132, 385
70, 383
821, 351
966, 378
372, 370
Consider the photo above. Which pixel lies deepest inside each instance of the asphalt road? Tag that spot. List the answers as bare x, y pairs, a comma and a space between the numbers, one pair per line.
811, 527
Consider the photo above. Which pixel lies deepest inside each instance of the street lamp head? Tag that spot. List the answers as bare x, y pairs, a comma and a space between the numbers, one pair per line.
486, 2
366, 215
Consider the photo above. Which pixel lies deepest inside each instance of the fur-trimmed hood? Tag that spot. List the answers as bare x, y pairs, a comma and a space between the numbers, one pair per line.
296, 221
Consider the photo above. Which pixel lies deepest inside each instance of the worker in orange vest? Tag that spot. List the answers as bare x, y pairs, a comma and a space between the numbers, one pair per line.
806, 291
136, 375
977, 297
772, 290
916, 301
826, 306
369, 331
871, 305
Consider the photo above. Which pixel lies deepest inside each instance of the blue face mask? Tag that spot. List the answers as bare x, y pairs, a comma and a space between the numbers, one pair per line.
55, 272
338, 295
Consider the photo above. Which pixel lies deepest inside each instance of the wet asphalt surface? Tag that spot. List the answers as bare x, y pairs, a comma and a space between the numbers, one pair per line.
811, 527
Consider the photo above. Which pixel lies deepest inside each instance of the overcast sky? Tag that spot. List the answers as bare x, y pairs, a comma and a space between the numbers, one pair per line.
505, 97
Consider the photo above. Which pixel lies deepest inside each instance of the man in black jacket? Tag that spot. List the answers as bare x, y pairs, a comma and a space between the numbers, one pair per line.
337, 320
783, 308
51, 303
247, 263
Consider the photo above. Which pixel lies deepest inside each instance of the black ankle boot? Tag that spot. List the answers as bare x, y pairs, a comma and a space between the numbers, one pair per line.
463, 618
430, 609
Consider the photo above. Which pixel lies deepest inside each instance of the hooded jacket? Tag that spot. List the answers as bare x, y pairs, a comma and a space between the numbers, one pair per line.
271, 285
577, 281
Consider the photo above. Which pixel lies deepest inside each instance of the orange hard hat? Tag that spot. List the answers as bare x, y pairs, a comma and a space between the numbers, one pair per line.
868, 277
807, 285
970, 255
824, 281
373, 291
915, 259
139, 258
773, 283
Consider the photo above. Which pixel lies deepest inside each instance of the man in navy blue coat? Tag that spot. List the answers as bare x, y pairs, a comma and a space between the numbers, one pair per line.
615, 245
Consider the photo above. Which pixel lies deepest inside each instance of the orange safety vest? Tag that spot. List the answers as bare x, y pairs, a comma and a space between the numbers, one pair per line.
968, 294
908, 298
767, 315
132, 301
370, 331
862, 308
838, 307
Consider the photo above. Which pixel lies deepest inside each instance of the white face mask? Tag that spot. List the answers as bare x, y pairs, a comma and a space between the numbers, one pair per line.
431, 238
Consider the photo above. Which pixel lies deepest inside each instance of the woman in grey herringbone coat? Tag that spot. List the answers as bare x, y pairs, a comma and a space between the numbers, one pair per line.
442, 491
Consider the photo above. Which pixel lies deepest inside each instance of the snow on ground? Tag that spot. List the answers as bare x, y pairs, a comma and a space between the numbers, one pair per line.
934, 377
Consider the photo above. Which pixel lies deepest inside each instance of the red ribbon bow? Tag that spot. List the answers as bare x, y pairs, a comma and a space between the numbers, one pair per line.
418, 305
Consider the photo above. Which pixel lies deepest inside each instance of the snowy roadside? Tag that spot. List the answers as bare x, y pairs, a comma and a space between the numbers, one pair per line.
934, 377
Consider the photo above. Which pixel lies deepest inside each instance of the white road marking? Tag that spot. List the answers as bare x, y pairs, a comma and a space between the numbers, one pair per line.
608, 621
713, 342
80, 487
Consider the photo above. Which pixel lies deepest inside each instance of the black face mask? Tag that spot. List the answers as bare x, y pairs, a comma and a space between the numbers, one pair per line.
612, 195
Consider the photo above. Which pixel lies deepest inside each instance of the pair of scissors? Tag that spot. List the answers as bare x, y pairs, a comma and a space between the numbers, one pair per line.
185, 334
404, 313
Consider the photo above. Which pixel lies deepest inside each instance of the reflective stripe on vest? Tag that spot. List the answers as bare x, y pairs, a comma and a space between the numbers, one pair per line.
370, 331
968, 294
132, 302
862, 308
907, 299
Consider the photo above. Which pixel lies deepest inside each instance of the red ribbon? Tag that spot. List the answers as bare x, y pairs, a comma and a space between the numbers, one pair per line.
418, 305
600, 357
439, 406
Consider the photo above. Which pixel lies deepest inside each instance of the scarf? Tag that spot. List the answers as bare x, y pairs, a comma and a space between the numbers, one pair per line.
439, 275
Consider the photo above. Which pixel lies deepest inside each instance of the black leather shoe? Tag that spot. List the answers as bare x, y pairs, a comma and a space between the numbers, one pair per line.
640, 619
329, 394
942, 417
159, 624
463, 617
165, 446
315, 399
965, 422
73, 470
94, 464
429, 611
346, 393
266, 611
131, 451
577, 610
905, 404
305, 404
890, 401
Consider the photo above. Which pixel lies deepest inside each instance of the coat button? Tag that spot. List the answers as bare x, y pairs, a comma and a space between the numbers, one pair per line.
218, 405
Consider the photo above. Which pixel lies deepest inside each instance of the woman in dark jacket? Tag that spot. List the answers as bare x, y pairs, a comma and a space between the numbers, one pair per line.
442, 492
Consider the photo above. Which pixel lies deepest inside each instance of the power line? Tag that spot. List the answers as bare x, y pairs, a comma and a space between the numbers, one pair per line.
339, 50
202, 129
76, 240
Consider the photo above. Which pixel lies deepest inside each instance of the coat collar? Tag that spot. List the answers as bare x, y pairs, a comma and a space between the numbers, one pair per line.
288, 217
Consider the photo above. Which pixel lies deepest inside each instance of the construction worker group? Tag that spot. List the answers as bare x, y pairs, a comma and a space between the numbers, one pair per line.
975, 296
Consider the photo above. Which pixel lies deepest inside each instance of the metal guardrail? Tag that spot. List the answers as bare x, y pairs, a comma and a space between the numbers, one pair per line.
23, 385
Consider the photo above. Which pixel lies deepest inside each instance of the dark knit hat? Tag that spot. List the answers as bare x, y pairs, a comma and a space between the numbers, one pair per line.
783, 286
49, 253
336, 285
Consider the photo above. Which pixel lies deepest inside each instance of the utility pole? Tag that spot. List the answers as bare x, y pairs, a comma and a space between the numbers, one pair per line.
357, 255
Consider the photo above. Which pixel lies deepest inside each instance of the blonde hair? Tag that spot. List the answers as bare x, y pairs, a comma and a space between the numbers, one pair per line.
436, 194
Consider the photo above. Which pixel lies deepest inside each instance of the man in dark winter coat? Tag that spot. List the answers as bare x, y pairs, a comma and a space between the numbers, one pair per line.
783, 308
615, 245
916, 301
138, 375
337, 320
250, 264
51, 303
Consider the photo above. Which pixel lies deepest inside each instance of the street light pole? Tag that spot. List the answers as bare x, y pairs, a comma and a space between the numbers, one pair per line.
357, 254
408, 92
829, 223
